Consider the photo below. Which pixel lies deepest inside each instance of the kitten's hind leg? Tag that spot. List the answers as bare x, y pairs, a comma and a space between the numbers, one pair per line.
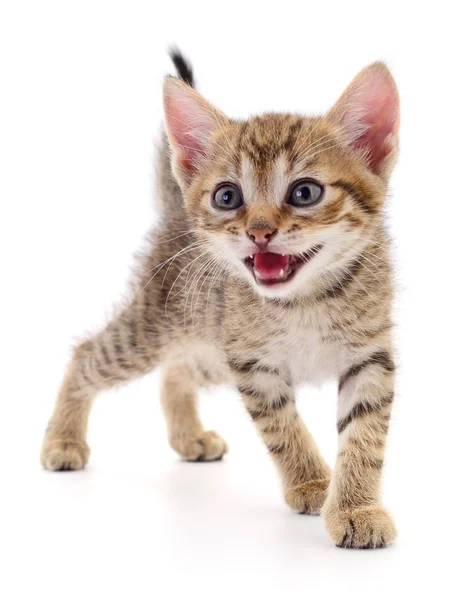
125, 349
185, 431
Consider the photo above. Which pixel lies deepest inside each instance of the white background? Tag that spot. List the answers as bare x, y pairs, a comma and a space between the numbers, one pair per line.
80, 110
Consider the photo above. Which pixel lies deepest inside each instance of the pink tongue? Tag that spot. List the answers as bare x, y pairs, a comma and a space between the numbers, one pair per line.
269, 265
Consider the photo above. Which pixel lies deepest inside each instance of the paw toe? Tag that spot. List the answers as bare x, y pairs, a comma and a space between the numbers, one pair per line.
308, 497
207, 447
64, 455
362, 528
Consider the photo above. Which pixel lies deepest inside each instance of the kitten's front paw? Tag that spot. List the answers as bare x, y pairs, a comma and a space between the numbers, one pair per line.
64, 455
308, 497
367, 527
207, 447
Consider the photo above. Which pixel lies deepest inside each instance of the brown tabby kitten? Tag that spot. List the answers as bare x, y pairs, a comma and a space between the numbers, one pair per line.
270, 268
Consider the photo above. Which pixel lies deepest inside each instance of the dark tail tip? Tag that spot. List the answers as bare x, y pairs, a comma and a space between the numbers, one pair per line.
183, 68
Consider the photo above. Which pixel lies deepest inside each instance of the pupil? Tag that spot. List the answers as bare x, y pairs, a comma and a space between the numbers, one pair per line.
227, 197
303, 192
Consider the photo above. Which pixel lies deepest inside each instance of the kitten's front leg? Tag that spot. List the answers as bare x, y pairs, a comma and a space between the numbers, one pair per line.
269, 399
353, 514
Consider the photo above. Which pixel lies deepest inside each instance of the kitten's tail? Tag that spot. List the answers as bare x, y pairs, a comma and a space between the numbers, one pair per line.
183, 67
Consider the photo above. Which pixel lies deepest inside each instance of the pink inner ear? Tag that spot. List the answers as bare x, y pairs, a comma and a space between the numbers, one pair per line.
374, 112
184, 136
190, 123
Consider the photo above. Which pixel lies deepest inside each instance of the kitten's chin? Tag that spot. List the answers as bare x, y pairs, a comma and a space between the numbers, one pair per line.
288, 289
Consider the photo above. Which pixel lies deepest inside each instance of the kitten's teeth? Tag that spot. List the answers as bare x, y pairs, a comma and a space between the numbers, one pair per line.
251, 256
281, 272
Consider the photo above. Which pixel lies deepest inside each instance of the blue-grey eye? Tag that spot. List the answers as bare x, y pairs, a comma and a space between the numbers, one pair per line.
227, 197
305, 193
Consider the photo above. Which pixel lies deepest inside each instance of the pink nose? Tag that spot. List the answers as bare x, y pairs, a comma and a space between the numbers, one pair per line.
261, 237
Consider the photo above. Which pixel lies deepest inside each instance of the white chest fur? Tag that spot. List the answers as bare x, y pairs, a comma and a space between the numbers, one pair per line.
312, 354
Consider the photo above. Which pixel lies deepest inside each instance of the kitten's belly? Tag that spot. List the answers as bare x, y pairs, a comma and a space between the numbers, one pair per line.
206, 362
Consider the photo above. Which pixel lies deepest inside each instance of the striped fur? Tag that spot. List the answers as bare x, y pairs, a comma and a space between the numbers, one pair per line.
198, 313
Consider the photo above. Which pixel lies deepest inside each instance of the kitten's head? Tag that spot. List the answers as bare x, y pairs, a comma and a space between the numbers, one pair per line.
284, 199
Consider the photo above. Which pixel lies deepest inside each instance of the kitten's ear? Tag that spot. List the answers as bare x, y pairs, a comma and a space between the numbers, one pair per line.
190, 123
368, 116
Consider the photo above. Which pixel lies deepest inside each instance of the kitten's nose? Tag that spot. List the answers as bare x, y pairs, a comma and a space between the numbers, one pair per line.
262, 236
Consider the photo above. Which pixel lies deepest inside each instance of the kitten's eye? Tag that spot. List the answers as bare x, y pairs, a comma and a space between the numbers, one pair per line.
305, 193
227, 197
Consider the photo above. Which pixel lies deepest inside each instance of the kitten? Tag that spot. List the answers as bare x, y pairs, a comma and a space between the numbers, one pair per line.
270, 268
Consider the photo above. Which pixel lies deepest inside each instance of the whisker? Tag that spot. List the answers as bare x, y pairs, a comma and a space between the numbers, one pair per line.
189, 247
209, 269
190, 286
168, 296
162, 264
194, 287
216, 277
201, 245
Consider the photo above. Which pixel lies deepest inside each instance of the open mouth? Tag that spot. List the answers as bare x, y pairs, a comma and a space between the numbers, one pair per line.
269, 268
